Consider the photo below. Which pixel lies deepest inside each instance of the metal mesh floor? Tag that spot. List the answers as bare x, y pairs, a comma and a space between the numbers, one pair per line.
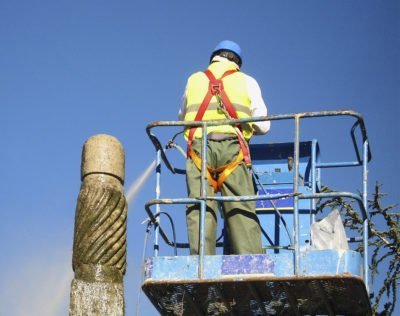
300, 296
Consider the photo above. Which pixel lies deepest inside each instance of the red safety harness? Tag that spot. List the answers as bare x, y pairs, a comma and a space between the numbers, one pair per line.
216, 88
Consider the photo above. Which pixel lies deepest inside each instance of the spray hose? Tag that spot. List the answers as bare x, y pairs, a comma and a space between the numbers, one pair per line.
171, 144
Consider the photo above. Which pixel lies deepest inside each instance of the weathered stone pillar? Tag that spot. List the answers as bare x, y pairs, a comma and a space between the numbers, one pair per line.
99, 253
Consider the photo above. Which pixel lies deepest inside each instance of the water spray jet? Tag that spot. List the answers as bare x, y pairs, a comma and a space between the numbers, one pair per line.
139, 182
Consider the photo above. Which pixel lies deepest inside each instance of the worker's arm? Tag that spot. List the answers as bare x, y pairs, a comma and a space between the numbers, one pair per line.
258, 107
182, 110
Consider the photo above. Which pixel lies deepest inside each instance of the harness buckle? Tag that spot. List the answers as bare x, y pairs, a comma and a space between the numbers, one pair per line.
216, 87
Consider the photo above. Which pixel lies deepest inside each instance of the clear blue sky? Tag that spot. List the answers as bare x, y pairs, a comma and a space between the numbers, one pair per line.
73, 69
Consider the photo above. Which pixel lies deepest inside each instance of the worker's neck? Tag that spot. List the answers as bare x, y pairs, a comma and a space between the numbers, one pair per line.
223, 59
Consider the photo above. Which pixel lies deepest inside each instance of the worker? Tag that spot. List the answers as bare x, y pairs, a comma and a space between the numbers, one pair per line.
223, 92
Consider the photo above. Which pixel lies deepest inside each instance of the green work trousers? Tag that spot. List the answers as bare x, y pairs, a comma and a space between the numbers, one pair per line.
242, 223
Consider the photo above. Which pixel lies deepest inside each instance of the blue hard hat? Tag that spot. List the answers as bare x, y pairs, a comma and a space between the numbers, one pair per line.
228, 45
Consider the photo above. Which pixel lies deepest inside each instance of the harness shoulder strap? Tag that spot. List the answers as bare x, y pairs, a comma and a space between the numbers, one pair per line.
217, 83
218, 86
215, 86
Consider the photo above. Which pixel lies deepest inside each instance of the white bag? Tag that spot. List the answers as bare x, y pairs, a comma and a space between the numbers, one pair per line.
329, 233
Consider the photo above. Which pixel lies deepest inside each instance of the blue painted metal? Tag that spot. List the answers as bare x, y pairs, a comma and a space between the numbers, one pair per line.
203, 201
184, 268
365, 204
314, 178
158, 194
295, 189
338, 164
282, 204
270, 161
287, 195
270, 164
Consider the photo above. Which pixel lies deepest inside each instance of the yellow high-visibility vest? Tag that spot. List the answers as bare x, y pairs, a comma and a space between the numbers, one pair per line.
235, 87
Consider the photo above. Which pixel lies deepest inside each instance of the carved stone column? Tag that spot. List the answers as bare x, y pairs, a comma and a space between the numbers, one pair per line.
99, 253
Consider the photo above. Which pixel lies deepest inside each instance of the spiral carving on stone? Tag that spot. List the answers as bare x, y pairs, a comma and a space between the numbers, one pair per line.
100, 230
99, 250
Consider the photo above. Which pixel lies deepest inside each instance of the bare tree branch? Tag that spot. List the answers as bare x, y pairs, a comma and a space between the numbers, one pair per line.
384, 242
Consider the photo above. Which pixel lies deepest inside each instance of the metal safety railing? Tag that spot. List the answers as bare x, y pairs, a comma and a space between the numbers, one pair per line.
363, 156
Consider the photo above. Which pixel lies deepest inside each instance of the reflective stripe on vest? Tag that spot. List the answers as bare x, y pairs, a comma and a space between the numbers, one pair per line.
235, 86
216, 88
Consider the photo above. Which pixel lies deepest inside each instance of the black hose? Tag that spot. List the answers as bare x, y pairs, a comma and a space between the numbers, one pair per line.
172, 227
